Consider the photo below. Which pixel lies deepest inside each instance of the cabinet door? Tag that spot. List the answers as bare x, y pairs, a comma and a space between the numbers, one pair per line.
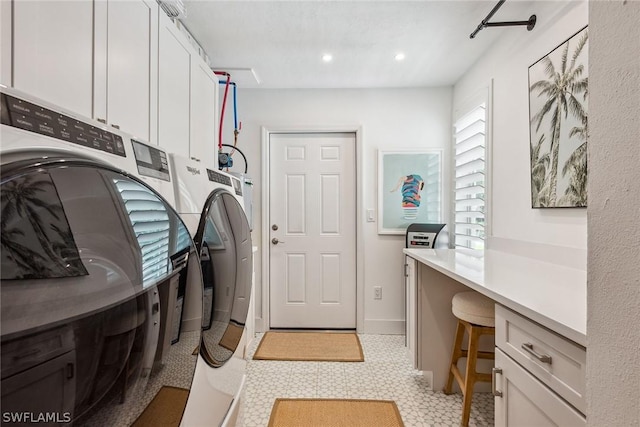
410, 307
525, 401
53, 52
174, 72
49, 387
6, 42
204, 90
132, 49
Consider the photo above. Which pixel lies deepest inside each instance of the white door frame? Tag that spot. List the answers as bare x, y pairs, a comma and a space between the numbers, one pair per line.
265, 244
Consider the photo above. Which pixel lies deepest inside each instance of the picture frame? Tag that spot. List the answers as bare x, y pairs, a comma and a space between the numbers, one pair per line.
409, 189
558, 108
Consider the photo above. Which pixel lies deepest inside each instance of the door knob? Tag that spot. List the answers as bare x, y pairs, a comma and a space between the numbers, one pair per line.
274, 227
275, 241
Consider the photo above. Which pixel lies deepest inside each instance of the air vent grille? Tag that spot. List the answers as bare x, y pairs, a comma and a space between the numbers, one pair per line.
173, 8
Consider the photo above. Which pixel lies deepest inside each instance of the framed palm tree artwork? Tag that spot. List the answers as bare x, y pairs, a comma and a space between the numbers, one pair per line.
558, 105
409, 189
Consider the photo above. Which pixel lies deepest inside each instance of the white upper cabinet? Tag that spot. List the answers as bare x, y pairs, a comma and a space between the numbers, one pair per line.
52, 51
174, 75
94, 58
132, 49
124, 63
187, 98
204, 115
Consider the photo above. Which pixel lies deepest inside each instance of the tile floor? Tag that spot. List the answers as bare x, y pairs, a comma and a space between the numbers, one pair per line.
385, 374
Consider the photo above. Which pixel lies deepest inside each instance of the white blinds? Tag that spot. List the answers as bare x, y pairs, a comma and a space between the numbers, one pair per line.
150, 221
469, 181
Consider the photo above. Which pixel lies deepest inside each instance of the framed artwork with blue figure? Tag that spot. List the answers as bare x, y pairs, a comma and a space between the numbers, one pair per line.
409, 189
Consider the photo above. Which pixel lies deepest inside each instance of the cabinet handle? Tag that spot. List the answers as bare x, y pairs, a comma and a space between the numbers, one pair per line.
406, 274
70, 371
494, 385
101, 120
115, 126
195, 159
544, 358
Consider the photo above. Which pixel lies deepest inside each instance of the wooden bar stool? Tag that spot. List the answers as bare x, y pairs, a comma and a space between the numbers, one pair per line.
476, 316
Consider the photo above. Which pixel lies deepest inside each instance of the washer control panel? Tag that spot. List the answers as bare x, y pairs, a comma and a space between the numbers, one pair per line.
27, 116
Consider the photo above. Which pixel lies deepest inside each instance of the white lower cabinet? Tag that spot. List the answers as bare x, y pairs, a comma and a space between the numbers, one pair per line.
411, 307
525, 401
538, 377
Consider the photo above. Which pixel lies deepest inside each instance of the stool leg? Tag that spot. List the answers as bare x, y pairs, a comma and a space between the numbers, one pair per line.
456, 354
470, 375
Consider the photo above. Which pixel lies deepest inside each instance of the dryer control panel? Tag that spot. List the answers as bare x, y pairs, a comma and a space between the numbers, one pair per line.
151, 161
218, 177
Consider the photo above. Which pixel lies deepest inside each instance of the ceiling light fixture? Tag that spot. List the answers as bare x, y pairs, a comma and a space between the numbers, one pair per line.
327, 57
399, 56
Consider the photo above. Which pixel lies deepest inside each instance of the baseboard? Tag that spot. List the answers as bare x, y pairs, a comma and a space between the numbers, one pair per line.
563, 255
260, 327
190, 325
384, 327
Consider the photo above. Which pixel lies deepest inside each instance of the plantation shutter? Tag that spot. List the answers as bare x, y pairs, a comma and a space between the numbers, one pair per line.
150, 221
469, 178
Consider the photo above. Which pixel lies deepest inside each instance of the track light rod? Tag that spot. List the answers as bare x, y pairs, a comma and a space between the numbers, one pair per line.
530, 23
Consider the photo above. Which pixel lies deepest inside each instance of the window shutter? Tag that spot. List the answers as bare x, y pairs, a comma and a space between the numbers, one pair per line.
469, 179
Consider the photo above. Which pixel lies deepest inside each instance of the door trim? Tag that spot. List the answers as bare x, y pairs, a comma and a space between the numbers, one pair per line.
262, 324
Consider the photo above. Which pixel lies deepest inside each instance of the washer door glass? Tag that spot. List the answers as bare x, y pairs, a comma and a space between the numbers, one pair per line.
224, 240
101, 299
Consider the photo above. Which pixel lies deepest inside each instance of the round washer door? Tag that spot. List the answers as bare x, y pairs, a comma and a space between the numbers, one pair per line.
100, 319
224, 241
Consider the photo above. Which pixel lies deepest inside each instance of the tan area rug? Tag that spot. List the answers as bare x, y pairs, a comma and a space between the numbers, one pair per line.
165, 410
231, 336
335, 413
310, 346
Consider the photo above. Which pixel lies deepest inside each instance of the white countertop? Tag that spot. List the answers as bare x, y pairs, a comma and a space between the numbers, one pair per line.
552, 295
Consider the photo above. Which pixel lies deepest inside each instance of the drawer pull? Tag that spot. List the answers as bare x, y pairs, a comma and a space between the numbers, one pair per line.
494, 385
528, 347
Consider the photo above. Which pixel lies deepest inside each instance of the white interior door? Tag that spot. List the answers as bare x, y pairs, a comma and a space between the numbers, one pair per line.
312, 230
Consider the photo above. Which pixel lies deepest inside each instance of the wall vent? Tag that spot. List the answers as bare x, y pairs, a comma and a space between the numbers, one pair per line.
173, 8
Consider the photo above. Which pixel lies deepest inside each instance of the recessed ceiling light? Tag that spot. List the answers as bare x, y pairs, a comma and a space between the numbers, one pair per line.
327, 57
399, 56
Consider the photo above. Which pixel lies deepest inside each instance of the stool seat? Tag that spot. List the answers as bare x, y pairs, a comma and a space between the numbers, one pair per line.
474, 308
476, 317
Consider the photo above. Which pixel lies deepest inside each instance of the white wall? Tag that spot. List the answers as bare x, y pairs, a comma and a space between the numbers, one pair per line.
515, 225
389, 119
613, 336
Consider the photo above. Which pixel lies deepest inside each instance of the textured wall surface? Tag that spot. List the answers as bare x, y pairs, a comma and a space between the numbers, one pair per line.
613, 332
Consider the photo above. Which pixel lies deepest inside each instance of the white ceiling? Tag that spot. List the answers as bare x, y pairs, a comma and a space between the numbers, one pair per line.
283, 41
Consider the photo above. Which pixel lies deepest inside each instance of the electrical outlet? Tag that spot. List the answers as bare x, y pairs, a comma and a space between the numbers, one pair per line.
377, 292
